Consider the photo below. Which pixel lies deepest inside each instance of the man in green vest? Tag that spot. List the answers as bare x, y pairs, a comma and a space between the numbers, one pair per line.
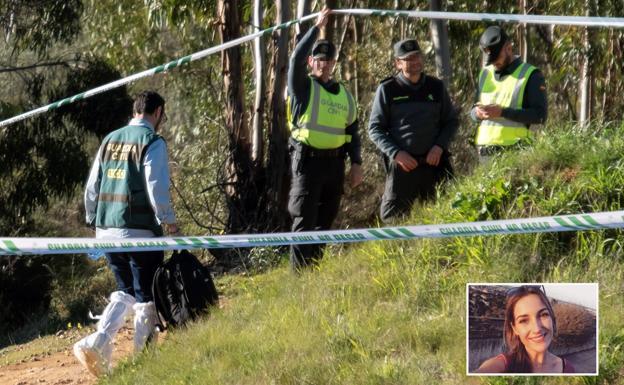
322, 118
127, 196
511, 96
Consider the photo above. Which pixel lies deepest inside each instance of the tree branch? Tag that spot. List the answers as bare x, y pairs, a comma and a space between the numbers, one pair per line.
7, 68
188, 208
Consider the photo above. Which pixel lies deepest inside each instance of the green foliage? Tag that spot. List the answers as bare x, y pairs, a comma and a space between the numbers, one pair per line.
37, 24
99, 114
43, 160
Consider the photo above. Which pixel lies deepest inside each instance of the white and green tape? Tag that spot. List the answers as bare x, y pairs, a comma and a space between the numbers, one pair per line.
591, 21
577, 222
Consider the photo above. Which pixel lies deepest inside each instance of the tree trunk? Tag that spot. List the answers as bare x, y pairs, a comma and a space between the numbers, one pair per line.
258, 119
584, 81
585, 76
303, 8
439, 34
330, 29
356, 79
277, 166
238, 176
524, 33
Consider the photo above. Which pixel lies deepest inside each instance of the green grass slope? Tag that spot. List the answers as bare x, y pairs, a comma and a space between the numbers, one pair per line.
393, 312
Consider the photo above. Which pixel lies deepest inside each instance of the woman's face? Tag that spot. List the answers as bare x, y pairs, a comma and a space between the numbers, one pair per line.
533, 323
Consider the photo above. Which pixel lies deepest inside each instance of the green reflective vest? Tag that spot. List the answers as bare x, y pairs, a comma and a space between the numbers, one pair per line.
508, 92
323, 123
123, 201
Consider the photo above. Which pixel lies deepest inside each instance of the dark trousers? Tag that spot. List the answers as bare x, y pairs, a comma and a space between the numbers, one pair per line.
403, 188
134, 272
314, 200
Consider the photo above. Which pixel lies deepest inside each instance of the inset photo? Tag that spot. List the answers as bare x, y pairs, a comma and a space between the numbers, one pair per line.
532, 329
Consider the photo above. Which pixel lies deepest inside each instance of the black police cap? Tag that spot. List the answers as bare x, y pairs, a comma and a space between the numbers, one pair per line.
405, 47
324, 49
492, 42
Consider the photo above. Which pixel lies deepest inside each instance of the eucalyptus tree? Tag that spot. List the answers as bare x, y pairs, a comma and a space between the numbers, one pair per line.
439, 35
259, 68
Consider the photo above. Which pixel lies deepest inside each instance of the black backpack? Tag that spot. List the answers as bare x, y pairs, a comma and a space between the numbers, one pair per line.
183, 289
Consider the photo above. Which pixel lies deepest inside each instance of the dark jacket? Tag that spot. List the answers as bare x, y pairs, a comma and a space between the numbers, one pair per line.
412, 116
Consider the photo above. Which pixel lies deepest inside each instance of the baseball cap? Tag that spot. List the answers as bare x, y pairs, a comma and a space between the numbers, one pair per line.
405, 47
324, 49
492, 42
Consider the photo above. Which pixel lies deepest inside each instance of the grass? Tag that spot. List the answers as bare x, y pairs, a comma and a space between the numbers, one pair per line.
394, 312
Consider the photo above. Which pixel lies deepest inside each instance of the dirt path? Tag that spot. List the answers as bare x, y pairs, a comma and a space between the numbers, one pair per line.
60, 367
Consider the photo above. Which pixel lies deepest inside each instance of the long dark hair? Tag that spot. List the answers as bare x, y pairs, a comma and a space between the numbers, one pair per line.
518, 358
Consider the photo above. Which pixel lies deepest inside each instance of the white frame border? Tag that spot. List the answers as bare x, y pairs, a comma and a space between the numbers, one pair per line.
545, 284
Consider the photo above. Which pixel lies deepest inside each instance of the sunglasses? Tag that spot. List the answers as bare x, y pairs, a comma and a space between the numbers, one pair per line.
526, 289
411, 57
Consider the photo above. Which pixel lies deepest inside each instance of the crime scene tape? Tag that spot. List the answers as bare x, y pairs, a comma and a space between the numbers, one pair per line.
584, 21
590, 21
576, 222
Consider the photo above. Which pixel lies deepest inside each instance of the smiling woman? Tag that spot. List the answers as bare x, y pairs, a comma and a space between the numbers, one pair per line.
529, 328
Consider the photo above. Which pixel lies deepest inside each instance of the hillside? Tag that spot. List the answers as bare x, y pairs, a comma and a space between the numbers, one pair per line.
394, 312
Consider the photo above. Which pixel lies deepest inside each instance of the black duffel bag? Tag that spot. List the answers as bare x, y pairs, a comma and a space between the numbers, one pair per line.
183, 289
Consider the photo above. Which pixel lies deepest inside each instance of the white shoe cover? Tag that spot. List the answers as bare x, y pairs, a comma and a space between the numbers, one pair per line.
94, 353
145, 319
95, 350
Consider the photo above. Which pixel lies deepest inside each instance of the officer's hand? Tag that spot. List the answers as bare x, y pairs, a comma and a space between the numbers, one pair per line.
490, 111
172, 229
479, 112
355, 175
322, 19
405, 161
434, 155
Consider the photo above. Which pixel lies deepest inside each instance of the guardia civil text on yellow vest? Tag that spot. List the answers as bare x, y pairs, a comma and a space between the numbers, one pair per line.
322, 125
508, 92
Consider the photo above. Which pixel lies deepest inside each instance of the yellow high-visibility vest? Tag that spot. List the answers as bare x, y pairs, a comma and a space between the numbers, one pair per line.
323, 123
506, 93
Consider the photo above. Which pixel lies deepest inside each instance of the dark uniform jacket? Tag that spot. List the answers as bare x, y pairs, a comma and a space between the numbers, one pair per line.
412, 117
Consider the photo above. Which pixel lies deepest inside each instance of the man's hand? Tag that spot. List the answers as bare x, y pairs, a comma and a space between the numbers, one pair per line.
322, 19
434, 155
489, 111
172, 229
355, 175
405, 161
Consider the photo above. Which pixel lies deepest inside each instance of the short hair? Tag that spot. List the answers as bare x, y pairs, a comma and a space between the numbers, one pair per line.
147, 102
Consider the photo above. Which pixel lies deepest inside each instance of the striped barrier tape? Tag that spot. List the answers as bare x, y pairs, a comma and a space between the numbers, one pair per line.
579, 21
592, 21
577, 222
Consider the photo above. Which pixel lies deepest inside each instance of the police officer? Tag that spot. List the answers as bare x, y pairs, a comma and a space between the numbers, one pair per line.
322, 118
127, 196
412, 122
510, 98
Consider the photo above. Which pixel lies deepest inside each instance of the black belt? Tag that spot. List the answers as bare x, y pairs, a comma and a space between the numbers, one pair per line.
318, 153
311, 152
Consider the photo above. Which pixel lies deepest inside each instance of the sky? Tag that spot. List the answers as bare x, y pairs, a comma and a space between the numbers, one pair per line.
580, 294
